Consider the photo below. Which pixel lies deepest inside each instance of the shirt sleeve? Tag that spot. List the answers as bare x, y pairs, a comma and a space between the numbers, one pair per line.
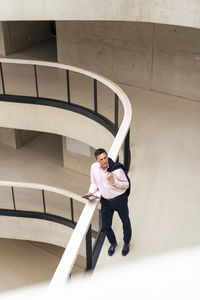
93, 186
120, 178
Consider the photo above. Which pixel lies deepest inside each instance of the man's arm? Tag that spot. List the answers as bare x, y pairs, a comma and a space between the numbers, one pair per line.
93, 186
88, 195
118, 179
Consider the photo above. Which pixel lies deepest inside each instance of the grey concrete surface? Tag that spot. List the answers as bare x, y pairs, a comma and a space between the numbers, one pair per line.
71, 159
184, 13
20, 35
176, 61
8, 137
16, 138
152, 56
2, 44
164, 202
25, 263
48, 51
121, 51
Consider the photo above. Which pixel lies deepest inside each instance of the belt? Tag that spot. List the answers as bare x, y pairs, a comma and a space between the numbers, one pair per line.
117, 197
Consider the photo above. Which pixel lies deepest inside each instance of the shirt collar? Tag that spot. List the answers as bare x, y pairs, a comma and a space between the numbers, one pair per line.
101, 168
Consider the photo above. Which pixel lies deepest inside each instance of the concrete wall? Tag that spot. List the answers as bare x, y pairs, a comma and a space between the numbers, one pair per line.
34, 230
176, 61
185, 12
19, 35
54, 120
120, 50
2, 46
25, 136
156, 57
71, 159
8, 137
15, 138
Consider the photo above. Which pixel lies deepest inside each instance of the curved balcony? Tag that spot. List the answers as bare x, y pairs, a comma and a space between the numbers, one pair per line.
36, 217
61, 117
24, 110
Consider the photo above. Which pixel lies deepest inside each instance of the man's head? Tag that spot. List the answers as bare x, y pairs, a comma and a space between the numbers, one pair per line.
102, 158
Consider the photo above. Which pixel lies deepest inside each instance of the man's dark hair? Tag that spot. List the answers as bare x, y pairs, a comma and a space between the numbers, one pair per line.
99, 151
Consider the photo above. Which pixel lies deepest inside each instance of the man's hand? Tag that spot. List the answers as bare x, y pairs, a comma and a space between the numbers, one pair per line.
110, 177
88, 195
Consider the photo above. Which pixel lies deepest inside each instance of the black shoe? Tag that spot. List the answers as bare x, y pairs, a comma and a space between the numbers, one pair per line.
111, 249
125, 249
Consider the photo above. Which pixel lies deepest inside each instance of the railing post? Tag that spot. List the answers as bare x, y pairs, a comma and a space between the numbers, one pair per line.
99, 214
68, 87
116, 112
36, 82
13, 197
2, 79
127, 153
95, 95
89, 249
43, 200
72, 209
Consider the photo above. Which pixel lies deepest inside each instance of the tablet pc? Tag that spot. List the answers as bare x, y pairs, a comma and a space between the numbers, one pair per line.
93, 197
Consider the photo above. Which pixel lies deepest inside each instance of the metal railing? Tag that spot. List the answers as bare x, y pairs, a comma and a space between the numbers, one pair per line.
44, 215
122, 133
122, 139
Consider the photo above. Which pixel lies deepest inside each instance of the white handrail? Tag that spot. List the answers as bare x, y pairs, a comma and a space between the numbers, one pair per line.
39, 186
71, 252
124, 127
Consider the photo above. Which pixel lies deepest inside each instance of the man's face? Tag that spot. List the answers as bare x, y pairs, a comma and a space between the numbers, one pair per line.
102, 159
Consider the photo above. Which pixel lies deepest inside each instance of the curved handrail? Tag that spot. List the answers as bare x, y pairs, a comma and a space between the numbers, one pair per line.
44, 187
124, 127
66, 263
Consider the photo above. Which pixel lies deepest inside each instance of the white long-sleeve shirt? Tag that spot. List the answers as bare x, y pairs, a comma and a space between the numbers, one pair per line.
107, 189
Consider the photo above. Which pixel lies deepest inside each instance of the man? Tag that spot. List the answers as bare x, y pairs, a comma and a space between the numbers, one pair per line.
110, 179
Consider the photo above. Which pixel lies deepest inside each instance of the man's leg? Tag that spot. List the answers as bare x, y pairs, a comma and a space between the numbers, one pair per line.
123, 212
106, 218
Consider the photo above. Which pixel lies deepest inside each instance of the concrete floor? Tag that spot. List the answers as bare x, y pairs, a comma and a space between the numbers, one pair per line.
26, 263
164, 202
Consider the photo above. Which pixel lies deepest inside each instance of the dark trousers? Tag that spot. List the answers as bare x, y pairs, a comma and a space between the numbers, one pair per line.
108, 207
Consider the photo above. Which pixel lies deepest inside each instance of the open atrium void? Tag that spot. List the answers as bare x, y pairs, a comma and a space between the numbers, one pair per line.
158, 67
